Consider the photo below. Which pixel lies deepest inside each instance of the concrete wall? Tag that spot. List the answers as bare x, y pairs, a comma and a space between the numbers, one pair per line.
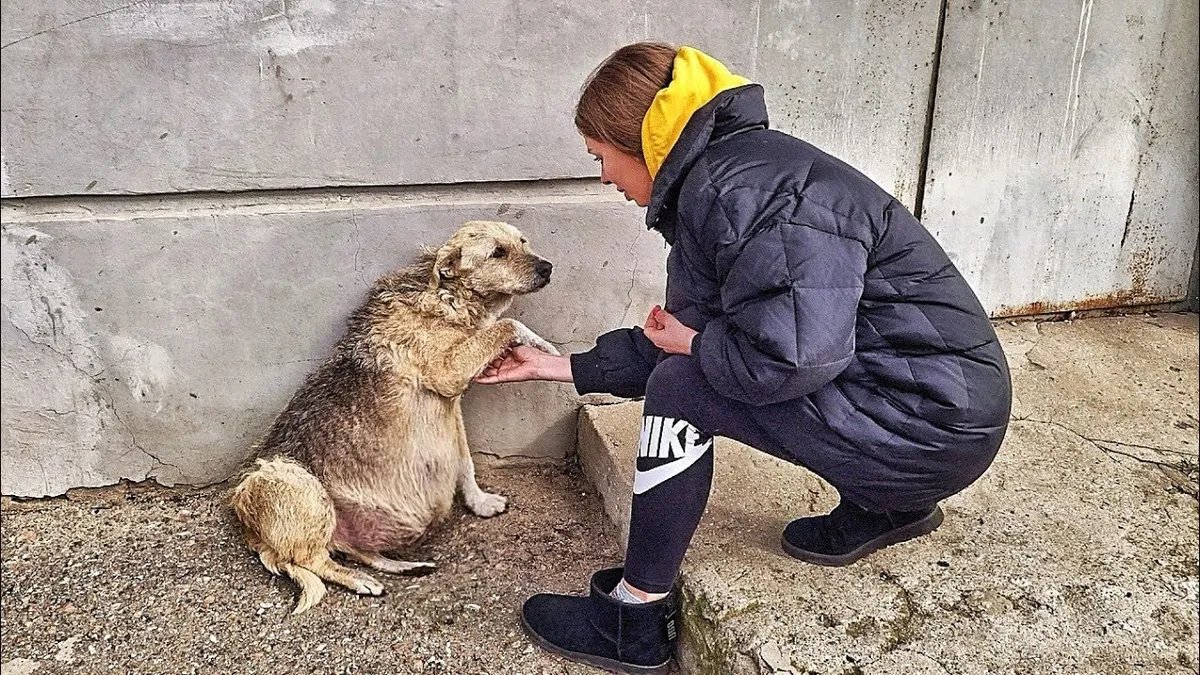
1063, 155
232, 95
287, 151
238, 94
854, 78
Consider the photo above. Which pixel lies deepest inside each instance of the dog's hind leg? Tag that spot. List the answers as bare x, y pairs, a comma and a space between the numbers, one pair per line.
309, 578
386, 564
359, 582
289, 520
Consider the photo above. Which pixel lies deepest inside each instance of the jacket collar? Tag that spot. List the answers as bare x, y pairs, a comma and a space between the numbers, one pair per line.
730, 112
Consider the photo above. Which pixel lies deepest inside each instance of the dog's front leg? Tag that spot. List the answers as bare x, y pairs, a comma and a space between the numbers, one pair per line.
466, 359
526, 336
482, 504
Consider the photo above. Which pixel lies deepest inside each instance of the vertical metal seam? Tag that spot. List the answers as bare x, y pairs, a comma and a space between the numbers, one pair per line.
926, 140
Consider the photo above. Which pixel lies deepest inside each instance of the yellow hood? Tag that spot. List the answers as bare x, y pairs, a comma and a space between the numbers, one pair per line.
696, 78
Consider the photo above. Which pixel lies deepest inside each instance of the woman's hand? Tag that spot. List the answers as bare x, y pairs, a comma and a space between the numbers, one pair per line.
667, 333
522, 364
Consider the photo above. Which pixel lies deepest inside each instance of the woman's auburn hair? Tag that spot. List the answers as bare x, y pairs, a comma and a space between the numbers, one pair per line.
618, 93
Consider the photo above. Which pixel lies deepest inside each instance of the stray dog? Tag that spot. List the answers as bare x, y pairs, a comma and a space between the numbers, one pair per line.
370, 451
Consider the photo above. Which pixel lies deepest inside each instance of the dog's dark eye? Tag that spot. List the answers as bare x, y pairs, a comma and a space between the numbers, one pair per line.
500, 252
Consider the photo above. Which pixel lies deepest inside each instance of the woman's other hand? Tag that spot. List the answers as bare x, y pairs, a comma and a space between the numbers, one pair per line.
667, 333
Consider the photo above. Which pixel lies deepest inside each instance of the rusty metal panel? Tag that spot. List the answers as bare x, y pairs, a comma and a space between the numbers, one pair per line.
1063, 155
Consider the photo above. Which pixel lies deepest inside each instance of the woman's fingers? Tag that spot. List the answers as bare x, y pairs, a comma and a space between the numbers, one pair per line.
655, 325
664, 318
653, 320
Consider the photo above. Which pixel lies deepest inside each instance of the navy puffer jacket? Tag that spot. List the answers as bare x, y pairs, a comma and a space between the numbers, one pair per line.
809, 283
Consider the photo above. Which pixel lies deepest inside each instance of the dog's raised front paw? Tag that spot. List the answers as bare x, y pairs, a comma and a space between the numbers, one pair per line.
547, 347
538, 342
526, 336
488, 505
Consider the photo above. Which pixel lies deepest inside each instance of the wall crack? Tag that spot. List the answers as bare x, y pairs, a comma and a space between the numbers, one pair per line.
103, 399
69, 23
632, 277
66, 357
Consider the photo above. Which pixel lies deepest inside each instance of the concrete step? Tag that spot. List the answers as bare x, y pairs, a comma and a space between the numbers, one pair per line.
1076, 552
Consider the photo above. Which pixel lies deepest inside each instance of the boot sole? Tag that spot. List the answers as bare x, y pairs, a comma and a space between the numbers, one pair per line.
610, 665
913, 530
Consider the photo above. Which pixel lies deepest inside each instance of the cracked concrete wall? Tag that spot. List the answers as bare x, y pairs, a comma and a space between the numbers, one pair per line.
240, 95
157, 336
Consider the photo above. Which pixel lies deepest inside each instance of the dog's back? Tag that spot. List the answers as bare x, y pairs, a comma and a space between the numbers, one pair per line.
336, 417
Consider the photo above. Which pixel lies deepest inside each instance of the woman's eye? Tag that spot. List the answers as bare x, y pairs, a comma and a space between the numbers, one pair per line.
596, 159
499, 253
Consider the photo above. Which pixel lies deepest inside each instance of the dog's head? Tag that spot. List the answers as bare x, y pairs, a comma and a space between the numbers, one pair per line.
491, 259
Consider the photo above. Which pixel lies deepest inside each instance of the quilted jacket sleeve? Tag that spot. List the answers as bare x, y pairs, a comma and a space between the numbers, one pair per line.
790, 296
619, 364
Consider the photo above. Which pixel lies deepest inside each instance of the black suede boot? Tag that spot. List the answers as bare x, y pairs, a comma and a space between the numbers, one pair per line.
602, 631
850, 532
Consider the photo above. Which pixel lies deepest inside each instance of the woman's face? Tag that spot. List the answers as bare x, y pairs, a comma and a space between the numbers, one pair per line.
623, 170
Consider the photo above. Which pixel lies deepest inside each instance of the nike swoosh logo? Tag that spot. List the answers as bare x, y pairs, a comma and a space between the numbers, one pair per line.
646, 480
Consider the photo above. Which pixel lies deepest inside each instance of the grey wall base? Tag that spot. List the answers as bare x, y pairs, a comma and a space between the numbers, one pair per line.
157, 338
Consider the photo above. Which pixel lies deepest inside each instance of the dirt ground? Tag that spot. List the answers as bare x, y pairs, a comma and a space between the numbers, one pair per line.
140, 579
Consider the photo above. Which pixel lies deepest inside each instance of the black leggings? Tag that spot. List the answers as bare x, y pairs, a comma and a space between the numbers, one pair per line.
675, 464
674, 473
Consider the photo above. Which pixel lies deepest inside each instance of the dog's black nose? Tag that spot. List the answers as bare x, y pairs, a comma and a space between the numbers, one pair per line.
543, 268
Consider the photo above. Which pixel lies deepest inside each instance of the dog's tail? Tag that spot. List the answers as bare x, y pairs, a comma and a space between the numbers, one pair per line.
312, 589
289, 521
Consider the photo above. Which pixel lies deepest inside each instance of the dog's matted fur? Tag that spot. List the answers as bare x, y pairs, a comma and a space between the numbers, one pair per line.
369, 452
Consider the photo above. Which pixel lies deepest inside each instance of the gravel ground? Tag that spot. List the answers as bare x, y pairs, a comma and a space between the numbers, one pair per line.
141, 579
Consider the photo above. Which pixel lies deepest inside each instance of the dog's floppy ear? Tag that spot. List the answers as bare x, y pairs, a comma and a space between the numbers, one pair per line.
446, 264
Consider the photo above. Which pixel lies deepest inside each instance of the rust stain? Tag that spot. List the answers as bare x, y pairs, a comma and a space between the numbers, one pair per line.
1139, 271
1119, 299
1139, 294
